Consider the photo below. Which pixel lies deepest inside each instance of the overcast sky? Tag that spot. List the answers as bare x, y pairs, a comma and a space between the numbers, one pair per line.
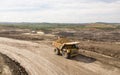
62, 11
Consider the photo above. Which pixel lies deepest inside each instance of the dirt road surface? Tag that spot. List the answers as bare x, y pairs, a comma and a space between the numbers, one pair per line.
39, 59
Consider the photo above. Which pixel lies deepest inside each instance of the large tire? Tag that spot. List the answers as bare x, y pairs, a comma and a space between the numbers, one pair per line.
57, 51
66, 55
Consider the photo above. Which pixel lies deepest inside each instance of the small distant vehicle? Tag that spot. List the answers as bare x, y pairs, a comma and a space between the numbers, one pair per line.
66, 47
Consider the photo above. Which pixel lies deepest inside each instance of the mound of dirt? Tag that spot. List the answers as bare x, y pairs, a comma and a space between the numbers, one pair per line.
10, 67
63, 40
108, 49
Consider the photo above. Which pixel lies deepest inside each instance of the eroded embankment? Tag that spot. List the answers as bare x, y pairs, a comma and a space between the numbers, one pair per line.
10, 67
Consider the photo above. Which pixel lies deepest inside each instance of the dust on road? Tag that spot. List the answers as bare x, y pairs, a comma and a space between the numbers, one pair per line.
39, 59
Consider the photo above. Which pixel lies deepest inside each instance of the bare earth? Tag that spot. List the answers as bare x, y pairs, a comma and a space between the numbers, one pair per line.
39, 59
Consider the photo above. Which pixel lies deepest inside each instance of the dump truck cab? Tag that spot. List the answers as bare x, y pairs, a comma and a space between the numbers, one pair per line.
65, 47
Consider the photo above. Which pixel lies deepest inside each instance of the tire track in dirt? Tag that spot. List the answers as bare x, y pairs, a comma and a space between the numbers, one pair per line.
38, 59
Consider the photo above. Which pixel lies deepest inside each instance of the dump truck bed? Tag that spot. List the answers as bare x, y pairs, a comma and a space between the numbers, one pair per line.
58, 43
63, 41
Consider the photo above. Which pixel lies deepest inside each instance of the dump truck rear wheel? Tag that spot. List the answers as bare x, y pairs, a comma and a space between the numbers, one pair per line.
57, 51
66, 55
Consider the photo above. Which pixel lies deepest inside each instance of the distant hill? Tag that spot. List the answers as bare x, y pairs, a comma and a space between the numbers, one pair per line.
58, 23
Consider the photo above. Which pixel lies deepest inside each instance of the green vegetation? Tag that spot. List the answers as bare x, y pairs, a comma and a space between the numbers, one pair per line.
42, 26
49, 26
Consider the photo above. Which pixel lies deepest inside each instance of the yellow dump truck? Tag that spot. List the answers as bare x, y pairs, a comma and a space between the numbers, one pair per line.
65, 47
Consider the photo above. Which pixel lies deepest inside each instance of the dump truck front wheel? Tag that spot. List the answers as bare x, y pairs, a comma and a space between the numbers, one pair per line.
57, 51
66, 55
